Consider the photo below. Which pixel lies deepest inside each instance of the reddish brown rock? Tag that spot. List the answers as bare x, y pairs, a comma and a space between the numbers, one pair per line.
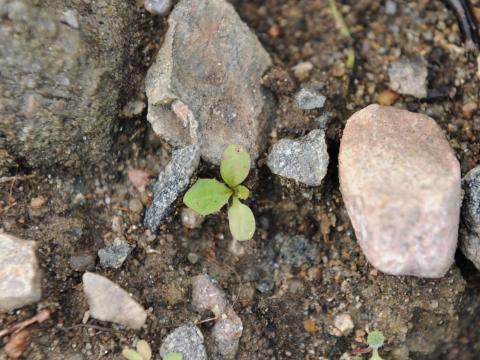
400, 182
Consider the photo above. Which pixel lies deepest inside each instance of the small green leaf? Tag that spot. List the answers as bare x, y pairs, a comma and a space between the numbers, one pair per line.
375, 339
131, 354
241, 220
235, 165
173, 356
144, 349
207, 196
242, 192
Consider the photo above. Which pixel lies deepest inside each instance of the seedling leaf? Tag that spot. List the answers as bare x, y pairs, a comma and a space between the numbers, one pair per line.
207, 196
144, 349
131, 354
173, 356
241, 220
242, 192
235, 165
375, 339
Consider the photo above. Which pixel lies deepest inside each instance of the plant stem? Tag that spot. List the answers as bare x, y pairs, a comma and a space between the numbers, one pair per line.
337, 15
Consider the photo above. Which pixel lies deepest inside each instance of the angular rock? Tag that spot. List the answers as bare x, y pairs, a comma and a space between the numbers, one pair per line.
304, 159
171, 183
109, 302
470, 233
63, 71
409, 77
309, 98
20, 278
205, 84
228, 328
114, 256
186, 340
400, 182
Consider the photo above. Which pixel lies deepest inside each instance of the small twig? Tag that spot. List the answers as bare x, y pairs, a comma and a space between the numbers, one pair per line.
206, 320
42, 316
6, 208
6, 179
344, 30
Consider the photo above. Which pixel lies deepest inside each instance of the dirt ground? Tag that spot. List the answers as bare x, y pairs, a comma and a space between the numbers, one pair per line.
421, 319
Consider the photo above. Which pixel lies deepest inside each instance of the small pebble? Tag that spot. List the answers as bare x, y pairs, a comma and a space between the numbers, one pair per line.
344, 324
309, 98
38, 202
135, 205
408, 76
70, 18
186, 340
310, 325
82, 262
265, 285
390, 7
114, 256
193, 258
387, 97
158, 7
302, 70
191, 219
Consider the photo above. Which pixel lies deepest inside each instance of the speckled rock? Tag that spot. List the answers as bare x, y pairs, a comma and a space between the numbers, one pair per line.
470, 232
20, 278
409, 77
171, 183
114, 255
205, 84
109, 302
400, 182
62, 74
309, 98
305, 159
186, 340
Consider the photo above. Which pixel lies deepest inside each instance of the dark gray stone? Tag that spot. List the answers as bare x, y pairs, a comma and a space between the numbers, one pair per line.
304, 159
470, 234
114, 256
62, 70
170, 184
186, 340
295, 250
205, 85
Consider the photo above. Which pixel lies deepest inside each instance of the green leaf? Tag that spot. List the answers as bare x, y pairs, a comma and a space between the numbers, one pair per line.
207, 196
241, 220
131, 354
242, 192
144, 349
235, 165
375, 339
173, 356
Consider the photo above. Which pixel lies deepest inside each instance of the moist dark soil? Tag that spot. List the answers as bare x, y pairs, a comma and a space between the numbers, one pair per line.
421, 319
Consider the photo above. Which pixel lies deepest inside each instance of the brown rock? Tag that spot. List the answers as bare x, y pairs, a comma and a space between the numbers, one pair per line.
19, 273
400, 182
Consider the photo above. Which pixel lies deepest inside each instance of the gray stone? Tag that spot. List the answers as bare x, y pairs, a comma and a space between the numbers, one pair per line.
158, 7
191, 219
390, 7
304, 159
309, 98
186, 340
400, 182
109, 302
170, 184
295, 250
114, 256
470, 232
409, 77
82, 262
205, 85
265, 285
20, 277
63, 70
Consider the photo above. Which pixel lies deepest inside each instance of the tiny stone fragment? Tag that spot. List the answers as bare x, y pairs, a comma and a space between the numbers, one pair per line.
409, 77
400, 182
304, 159
158, 7
309, 98
344, 323
82, 262
470, 232
20, 277
114, 256
109, 302
170, 184
186, 340
191, 219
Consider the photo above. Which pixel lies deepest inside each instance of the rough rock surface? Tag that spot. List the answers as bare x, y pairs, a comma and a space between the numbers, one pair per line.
470, 233
171, 183
309, 98
228, 328
109, 302
295, 250
207, 75
62, 77
400, 182
304, 159
114, 256
20, 279
409, 77
186, 340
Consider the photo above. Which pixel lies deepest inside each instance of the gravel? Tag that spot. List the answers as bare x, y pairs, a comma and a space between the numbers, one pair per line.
304, 159
170, 184
186, 340
400, 182
309, 98
295, 250
114, 256
409, 77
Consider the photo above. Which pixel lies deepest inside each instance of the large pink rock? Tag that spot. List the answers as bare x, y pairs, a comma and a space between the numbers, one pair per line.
400, 182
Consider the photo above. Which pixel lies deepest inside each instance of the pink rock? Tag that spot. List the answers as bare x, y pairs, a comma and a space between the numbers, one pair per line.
400, 182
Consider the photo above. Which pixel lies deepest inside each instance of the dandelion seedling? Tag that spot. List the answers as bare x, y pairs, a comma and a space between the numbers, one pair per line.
143, 351
208, 196
375, 340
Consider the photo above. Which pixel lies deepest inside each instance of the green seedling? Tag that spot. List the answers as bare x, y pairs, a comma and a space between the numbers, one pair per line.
375, 340
173, 356
143, 351
208, 196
